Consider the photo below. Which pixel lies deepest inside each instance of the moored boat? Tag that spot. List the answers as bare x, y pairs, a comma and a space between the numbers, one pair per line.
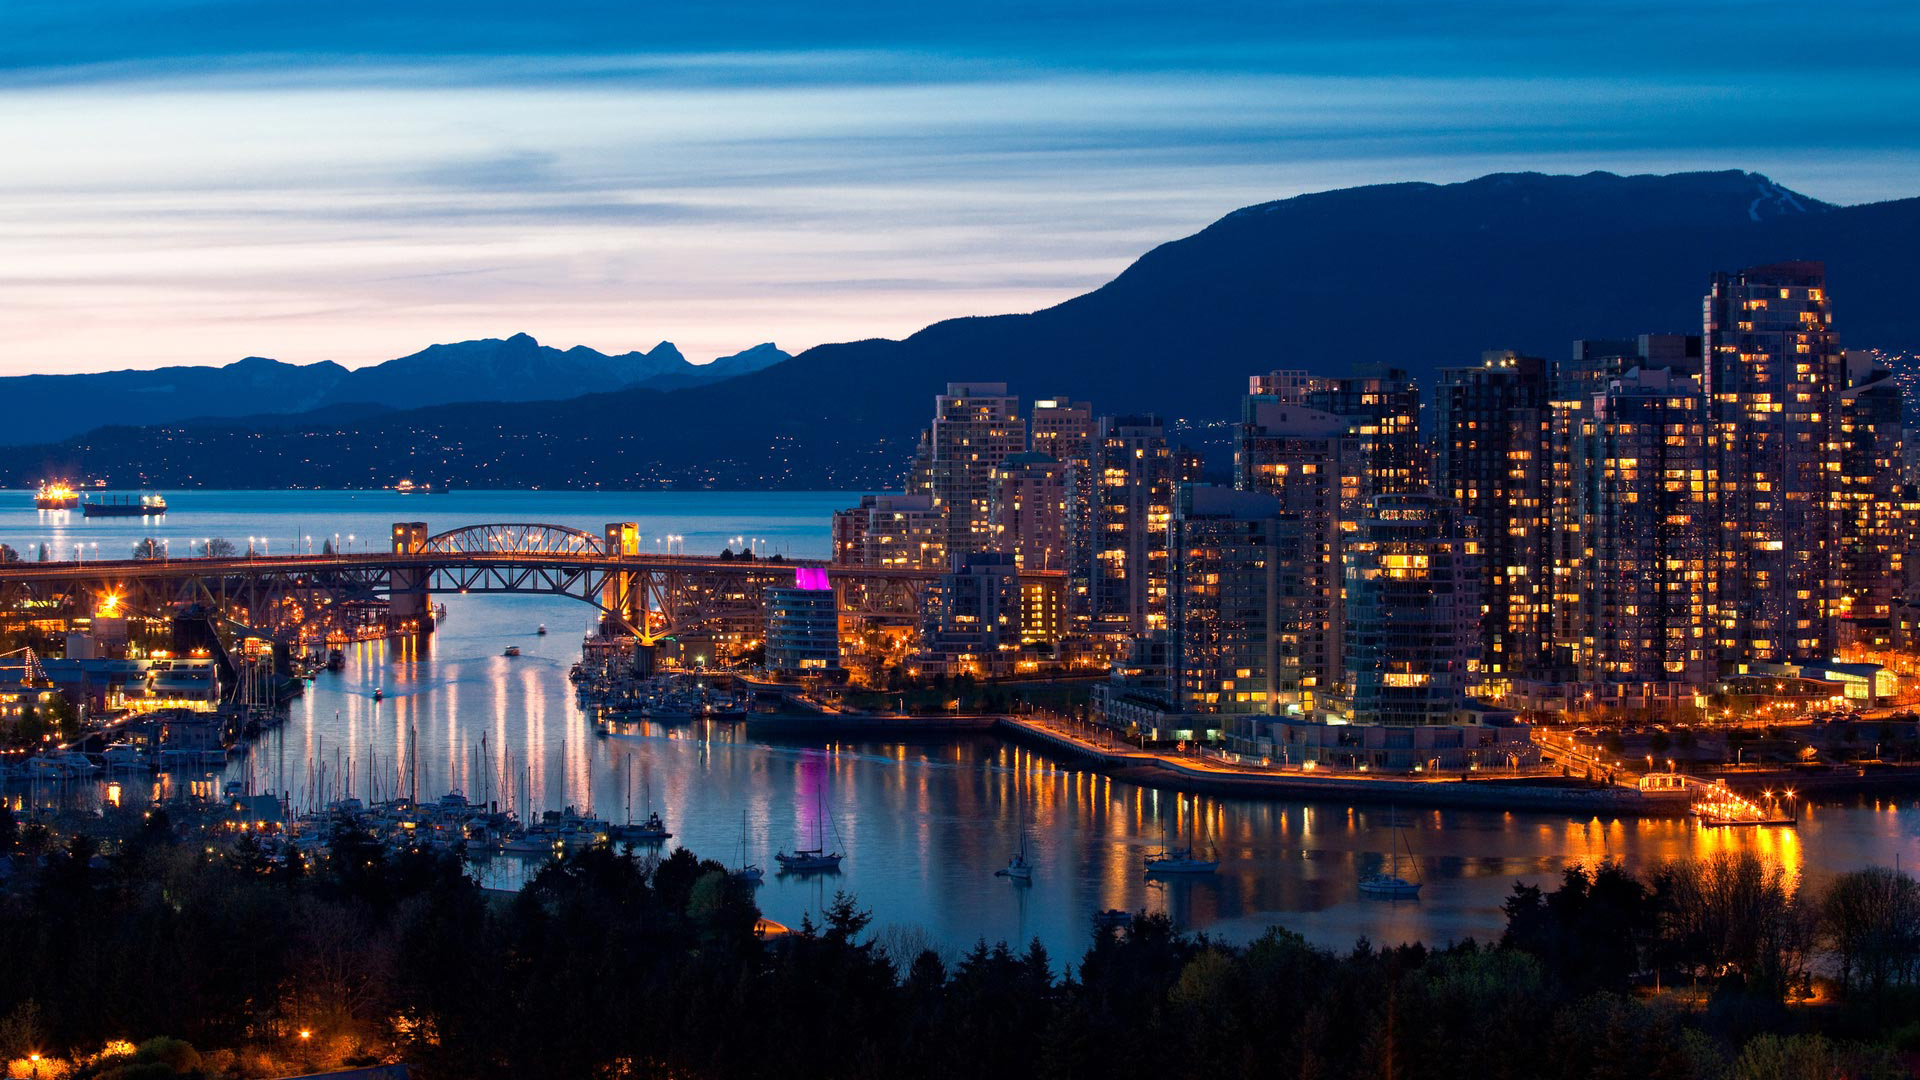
816, 859
1391, 884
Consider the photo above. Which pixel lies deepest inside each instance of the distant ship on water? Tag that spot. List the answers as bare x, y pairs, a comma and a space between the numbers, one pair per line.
56, 495
408, 487
126, 506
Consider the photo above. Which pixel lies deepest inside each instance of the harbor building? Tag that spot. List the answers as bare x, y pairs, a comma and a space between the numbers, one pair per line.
1412, 601
1774, 374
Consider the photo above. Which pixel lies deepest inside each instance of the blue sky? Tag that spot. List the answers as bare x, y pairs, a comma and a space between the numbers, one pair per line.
195, 182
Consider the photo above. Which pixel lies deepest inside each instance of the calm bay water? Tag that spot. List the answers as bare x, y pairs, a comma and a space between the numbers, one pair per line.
924, 825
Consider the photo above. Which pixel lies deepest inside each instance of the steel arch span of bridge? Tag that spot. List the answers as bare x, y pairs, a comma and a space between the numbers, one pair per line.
294, 598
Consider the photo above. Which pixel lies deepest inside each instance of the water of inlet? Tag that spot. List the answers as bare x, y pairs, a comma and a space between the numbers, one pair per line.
924, 824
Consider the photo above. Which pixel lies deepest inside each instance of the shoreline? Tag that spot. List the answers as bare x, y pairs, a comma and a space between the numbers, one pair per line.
1135, 766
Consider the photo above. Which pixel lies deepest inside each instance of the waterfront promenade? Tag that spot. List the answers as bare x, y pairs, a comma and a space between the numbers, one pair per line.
1213, 774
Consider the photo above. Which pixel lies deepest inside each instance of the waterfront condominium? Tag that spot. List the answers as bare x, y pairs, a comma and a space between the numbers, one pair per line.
1235, 602
1774, 376
1491, 421
975, 427
1412, 601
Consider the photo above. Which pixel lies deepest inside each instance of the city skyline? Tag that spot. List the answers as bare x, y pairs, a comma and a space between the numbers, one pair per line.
205, 182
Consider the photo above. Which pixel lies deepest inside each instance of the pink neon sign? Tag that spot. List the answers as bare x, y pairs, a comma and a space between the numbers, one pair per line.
811, 577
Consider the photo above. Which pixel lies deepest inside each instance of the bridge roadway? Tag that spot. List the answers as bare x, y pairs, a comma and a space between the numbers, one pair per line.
649, 593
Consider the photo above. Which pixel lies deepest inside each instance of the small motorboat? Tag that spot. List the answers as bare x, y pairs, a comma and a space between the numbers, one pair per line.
512, 650
378, 693
542, 631
1112, 919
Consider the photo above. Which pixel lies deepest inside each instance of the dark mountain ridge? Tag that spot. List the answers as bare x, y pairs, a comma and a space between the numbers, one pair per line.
1412, 275
514, 369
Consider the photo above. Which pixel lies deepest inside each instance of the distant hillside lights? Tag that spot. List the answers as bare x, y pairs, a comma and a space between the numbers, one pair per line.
1624, 527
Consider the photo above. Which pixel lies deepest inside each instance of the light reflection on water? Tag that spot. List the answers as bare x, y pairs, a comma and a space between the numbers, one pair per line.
924, 825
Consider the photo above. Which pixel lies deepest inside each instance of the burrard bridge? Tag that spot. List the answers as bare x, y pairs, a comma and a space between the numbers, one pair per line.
306, 598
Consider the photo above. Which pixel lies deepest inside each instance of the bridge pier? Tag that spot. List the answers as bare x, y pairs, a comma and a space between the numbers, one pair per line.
408, 612
617, 592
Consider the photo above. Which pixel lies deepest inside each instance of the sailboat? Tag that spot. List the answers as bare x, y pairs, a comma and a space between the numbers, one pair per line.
1391, 884
747, 871
1178, 860
1018, 868
816, 858
651, 831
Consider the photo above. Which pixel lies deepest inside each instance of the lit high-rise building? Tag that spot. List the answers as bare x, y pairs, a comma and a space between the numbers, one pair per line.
1383, 419
1569, 496
1645, 508
1412, 608
1063, 430
1029, 511
1492, 426
971, 622
1872, 513
1133, 476
1306, 459
1236, 612
975, 427
901, 532
1774, 375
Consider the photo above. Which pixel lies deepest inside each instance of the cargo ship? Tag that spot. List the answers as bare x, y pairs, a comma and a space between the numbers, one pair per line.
56, 495
126, 506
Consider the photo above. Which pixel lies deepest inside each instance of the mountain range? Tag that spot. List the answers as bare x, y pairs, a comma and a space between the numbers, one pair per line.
257, 391
1413, 275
